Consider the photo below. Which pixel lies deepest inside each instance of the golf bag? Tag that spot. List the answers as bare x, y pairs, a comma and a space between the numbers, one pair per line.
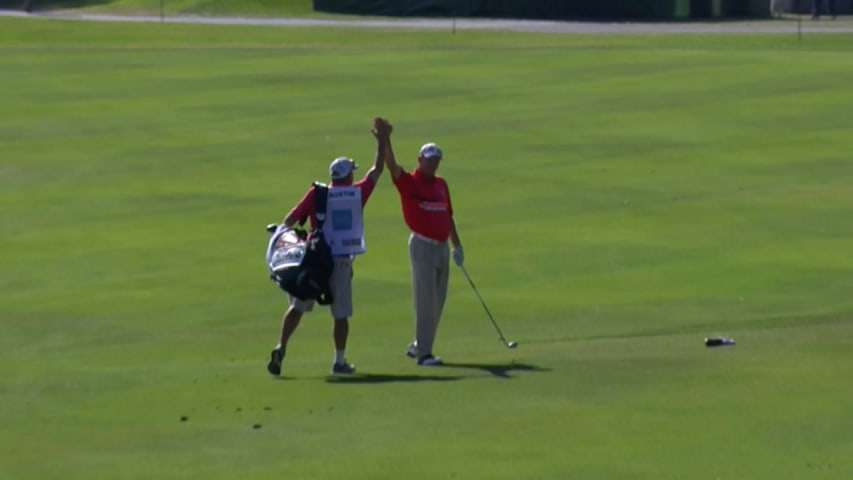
301, 263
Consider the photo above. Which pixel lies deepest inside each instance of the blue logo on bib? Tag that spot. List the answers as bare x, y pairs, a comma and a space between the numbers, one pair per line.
341, 220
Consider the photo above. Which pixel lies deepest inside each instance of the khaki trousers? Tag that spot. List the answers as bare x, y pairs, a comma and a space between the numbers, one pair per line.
430, 270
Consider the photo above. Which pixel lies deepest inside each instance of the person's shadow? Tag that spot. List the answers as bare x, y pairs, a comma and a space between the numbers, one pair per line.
501, 371
387, 378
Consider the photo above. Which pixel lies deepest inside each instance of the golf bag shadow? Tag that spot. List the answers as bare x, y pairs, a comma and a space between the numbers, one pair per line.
300, 263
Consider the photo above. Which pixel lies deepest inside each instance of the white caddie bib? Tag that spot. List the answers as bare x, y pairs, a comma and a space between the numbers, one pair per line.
343, 228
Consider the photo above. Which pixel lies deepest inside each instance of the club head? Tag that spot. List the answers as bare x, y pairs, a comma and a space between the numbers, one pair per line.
511, 344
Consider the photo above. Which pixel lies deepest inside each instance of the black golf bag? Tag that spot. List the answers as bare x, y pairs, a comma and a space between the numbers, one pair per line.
301, 263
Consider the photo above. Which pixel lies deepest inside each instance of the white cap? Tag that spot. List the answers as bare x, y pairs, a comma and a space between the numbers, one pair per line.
341, 167
429, 150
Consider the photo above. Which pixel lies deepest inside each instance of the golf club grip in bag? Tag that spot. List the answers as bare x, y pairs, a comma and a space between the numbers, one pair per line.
302, 265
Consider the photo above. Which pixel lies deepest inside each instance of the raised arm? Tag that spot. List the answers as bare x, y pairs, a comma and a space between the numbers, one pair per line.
388, 151
382, 132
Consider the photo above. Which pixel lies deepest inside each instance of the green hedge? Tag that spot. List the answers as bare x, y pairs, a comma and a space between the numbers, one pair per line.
548, 9
529, 9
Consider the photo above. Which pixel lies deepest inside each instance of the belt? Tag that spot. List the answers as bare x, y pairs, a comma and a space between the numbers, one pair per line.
427, 239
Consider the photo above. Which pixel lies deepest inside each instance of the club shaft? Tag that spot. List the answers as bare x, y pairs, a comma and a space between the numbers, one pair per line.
483, 303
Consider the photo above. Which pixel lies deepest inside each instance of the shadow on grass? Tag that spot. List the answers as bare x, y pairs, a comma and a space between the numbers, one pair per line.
387, 378
502, 371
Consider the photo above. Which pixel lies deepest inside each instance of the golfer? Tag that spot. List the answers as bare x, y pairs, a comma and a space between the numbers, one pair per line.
344, 232
428, 212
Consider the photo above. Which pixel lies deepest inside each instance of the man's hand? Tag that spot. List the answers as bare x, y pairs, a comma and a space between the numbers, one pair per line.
382, 131
384, 152
381, 128
458, 255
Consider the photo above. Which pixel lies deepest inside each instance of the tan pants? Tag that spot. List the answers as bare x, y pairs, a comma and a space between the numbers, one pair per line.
430, 270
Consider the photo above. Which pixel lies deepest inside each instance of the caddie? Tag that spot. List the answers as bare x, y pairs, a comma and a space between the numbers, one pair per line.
343, 229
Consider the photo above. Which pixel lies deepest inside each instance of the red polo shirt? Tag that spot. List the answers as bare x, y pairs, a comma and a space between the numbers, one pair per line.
426, 204
306, 206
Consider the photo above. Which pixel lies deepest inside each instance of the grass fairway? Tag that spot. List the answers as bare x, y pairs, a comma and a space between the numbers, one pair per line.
619, 199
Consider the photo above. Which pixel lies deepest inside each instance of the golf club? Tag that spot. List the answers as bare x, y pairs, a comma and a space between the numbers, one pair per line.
508, 344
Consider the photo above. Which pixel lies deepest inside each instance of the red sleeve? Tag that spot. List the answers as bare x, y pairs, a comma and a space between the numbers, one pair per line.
366, 186
305, 208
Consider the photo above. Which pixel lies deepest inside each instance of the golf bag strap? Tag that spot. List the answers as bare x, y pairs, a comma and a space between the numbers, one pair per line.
320, 198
